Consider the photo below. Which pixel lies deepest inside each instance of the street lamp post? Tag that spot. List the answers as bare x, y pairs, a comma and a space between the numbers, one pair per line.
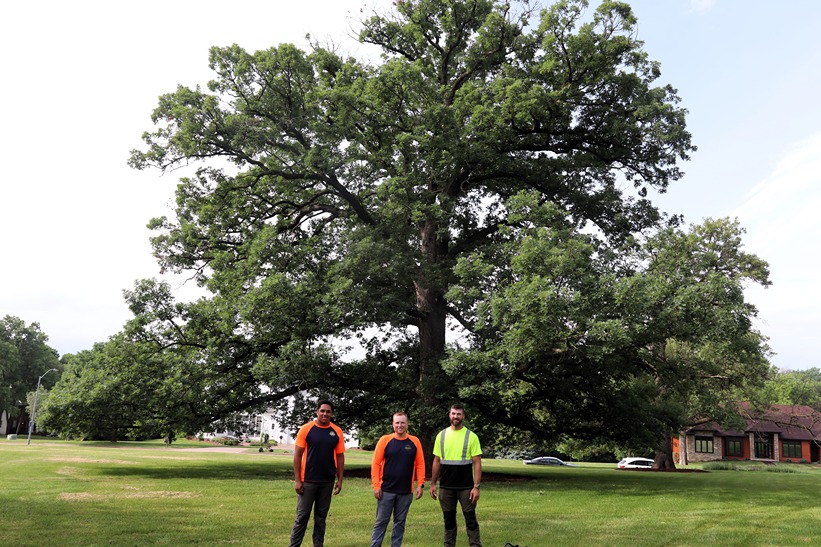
34, 406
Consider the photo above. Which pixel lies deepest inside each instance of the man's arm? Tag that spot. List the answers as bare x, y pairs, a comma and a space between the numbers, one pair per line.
477, 478
434, 476
378, 467
419, 468
298, 453
340, 471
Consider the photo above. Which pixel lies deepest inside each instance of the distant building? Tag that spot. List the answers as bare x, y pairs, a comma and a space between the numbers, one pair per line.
256, 425
782, 433
14, 425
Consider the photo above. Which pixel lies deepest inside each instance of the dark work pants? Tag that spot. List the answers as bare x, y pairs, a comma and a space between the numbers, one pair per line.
316, 496
447, 501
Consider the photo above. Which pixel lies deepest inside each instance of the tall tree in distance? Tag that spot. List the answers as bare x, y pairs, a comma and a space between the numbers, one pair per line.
794, 387
24, 356
333, 199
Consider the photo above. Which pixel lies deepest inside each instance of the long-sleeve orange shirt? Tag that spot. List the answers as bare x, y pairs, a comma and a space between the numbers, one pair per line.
397, 464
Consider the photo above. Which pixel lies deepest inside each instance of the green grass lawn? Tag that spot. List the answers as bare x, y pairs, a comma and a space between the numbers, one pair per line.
143, 493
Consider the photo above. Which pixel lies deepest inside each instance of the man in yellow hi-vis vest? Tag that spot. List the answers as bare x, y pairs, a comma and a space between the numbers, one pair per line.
457, 465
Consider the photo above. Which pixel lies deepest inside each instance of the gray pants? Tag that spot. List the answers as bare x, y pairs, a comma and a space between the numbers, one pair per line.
398, 504
447, 501
316, 496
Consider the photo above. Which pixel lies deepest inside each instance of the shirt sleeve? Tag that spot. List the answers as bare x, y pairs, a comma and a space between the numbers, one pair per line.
340, 446
436, 445
302, 435
419, 464
474, 447
302, 442
378, 462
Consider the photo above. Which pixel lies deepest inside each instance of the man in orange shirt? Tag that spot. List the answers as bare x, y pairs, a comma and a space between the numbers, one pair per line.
319, 457
398, 462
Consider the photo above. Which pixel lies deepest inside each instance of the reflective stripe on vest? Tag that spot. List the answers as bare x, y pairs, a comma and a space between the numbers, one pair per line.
464, 460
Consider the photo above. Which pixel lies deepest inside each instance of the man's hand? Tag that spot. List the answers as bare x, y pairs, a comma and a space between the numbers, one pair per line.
474, 495
419, 491
299, 487
377, 493
433, 491
338, 487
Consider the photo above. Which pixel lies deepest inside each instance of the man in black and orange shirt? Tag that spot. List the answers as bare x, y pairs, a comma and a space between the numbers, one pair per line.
398, 462
319, 457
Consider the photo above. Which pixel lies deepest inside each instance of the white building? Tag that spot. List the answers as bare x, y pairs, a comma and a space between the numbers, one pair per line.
260, 424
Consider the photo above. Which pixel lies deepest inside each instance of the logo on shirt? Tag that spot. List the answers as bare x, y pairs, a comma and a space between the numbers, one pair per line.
408, 448
332, 434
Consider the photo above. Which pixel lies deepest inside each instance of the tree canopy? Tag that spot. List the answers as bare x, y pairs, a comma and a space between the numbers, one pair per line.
631, 345
336, 200
794, 387
24, 356
470, 215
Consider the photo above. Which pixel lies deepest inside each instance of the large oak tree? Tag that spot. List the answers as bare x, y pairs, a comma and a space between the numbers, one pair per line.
335, 200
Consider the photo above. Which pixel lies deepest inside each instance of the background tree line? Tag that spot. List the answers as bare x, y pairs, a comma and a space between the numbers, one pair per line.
24, 356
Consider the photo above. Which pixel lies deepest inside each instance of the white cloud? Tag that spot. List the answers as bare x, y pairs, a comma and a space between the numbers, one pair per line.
784, 228
702, 6
781, 212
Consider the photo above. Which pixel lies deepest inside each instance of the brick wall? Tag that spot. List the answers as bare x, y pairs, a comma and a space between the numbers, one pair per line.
716, 454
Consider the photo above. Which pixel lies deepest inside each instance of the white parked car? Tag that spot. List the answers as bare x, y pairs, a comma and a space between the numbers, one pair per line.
635, 463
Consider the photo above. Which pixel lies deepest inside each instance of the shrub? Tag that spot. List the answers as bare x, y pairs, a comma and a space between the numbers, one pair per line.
227, 441
780, 469
511, 453
719, 466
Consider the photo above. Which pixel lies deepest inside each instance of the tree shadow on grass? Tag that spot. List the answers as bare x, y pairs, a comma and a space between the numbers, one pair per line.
203, 470
721, 487
763, 488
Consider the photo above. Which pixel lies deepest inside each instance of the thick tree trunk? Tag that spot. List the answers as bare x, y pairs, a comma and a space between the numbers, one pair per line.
664, 454
426, 439
435, 393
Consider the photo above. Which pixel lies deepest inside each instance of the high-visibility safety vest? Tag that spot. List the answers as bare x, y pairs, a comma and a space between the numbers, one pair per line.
465, 460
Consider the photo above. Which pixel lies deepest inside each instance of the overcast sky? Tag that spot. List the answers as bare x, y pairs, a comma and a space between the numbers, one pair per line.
81, 79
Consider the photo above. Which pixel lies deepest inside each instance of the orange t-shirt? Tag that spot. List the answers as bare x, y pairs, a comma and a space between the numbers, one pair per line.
321, 445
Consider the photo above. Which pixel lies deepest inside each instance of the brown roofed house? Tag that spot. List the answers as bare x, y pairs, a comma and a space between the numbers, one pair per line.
790, 433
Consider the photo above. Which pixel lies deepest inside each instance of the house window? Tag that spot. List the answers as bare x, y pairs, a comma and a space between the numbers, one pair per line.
734, 447
704, 444
791, 449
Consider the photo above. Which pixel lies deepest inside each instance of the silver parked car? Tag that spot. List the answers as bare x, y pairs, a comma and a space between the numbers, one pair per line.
548, 460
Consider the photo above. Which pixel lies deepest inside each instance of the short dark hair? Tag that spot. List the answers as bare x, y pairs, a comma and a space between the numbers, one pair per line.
458, 406
325, 402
